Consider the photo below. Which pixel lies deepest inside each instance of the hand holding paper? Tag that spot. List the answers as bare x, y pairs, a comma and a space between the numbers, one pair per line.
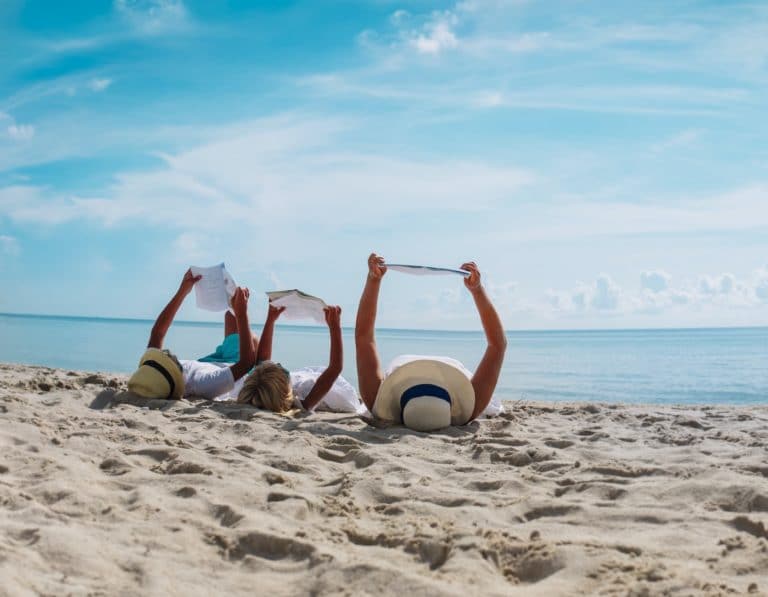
298, 305
215, 287
188, 282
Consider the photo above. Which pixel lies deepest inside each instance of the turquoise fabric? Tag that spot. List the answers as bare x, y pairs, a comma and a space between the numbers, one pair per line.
226, 352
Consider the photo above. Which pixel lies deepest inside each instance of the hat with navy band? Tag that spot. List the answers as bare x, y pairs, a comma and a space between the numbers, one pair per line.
425, 395
159, 376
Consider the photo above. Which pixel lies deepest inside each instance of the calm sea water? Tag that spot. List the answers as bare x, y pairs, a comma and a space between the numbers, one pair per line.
654, 366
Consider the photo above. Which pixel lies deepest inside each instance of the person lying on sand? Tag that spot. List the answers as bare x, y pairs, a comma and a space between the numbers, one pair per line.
162, 375
426, 393
273, 387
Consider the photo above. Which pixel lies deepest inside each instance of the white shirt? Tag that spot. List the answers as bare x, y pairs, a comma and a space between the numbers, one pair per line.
206, 380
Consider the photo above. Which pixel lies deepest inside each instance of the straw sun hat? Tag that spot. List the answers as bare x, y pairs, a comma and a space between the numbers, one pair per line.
425, 395
159, 376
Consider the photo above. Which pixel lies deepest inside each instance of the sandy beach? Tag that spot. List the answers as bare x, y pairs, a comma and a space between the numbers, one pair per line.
106, 494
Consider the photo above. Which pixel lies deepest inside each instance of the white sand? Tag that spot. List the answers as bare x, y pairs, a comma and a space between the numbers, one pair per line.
195, 498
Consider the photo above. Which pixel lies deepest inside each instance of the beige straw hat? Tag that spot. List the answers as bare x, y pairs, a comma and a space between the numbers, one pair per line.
425, 395
159, 376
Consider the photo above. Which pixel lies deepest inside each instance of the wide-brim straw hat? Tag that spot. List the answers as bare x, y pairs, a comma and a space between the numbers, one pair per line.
159, 376
425, 395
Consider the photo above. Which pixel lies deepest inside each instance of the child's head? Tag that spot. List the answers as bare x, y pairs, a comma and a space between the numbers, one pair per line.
268, 386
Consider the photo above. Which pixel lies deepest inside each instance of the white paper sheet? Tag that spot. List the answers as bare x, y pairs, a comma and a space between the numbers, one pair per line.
215, 289
298, 305
425, 270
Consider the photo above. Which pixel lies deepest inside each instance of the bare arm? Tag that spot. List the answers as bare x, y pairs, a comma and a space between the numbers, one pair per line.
247, 352
325, 380
369, 374
265, 345
165, 319
487, 374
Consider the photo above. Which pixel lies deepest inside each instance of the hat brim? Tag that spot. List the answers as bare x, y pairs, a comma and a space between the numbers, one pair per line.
426, 371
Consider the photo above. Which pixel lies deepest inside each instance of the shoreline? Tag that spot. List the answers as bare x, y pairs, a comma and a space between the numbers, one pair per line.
106, 493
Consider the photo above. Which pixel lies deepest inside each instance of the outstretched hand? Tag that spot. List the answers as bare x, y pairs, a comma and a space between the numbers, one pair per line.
240, 299
376, 267
188, 281
333, 316
274, 312
472, 281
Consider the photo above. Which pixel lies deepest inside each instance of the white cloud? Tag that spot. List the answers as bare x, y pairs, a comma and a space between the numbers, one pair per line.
438, 34
399, 17
285, 169
192, 247
99, 84
603, 295
760, 283
658, 294
683, 139
606, 294
573, 217
153, 17
9, 245
21, 132
655, 281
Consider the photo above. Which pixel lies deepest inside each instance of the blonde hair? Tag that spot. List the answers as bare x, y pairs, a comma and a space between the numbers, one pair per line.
268, 387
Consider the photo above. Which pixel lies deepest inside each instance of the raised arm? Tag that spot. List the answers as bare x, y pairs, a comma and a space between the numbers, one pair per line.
487, 374
265, 344
336, 362
164, 320
247, 351
369, 374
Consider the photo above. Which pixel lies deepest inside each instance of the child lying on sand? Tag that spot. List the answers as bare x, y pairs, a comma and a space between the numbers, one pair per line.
273, 387
162, 375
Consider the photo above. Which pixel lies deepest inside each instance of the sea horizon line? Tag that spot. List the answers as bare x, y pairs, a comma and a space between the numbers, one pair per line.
189, 323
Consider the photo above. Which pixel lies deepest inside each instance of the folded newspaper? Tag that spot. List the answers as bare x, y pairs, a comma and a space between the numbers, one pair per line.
425, 270
298, 304
213, 292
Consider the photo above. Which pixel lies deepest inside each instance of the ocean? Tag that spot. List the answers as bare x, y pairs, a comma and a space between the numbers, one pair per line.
682, 366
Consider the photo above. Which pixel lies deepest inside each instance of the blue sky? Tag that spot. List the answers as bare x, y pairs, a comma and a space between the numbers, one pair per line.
604, 163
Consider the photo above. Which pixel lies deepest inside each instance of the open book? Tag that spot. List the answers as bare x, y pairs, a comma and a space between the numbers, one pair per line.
214, 290
298, 304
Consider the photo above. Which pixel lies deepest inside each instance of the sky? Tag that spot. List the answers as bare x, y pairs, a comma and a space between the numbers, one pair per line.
605, 164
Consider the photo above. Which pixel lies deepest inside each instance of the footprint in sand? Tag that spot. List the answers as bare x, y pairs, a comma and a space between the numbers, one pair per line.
114, 466
523, 562
432, 552
226, 516
602, 490
266, 546
521, 457
548, 511
560, 444
747, 525
485, 485
157, 454
744, 500
176, 467
618, 471
25, 536
345, 449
